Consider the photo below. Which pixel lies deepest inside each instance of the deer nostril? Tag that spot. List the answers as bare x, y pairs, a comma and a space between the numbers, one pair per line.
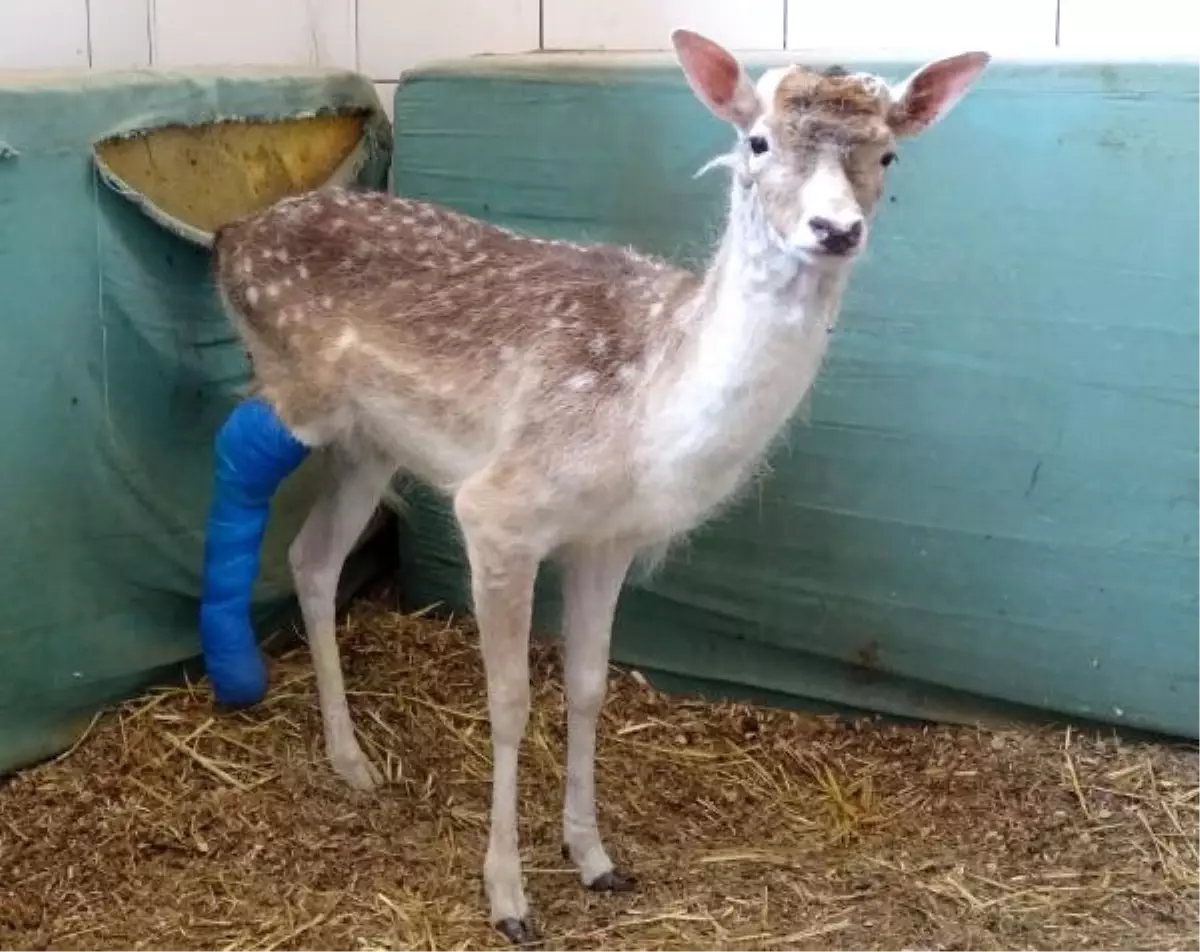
821, 226
835, 237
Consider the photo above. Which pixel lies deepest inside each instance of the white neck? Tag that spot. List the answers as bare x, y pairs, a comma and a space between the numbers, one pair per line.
756, 332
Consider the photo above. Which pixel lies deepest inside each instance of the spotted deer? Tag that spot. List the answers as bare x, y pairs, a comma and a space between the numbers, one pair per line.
585, 403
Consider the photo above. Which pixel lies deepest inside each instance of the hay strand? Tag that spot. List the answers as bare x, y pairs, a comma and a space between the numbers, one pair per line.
169, 825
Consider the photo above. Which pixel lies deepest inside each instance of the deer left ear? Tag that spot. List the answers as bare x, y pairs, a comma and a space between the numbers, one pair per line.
932, 91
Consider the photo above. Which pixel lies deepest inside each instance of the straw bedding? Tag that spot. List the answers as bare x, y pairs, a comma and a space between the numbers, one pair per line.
171, 825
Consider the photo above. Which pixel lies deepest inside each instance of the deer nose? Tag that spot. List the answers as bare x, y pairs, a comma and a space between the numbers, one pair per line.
837, 237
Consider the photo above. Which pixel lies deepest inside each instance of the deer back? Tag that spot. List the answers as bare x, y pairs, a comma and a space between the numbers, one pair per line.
363, 305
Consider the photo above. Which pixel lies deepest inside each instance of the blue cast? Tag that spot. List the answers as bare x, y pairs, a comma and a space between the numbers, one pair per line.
255, 452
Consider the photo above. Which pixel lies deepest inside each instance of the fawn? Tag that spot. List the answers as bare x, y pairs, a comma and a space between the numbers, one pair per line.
582, 403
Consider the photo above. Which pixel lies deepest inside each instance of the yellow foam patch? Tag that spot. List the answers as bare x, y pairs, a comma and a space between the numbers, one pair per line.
207, 175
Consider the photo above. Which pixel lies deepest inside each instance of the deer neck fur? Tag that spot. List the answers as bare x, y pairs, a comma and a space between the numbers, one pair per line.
755, 334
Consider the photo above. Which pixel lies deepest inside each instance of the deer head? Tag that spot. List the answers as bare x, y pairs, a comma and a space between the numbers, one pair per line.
813, 147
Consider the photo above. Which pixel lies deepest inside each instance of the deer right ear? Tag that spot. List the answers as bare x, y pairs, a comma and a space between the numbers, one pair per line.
717, 79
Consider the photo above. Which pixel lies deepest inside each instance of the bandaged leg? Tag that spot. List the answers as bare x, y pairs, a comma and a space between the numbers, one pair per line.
255, 452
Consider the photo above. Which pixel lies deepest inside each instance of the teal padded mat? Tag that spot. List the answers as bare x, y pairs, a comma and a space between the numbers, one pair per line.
991, 507
118, 366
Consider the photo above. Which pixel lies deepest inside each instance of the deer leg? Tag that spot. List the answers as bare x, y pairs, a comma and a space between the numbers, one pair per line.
503, 570
254, 453
317, 556
592, 579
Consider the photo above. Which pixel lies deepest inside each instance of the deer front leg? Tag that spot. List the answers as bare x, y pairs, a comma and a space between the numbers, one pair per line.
317, 555
592, 579
503, 571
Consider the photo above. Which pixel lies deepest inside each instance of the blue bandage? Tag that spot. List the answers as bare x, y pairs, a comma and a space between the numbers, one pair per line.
254, 454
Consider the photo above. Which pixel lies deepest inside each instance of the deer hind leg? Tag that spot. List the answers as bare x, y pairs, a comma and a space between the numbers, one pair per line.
254, 452
317, 556
592, 579
504, 557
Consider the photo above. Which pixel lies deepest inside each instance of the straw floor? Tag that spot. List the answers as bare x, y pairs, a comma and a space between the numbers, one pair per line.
171, 825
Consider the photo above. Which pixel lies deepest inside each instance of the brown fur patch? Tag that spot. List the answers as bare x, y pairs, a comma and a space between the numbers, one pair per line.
833, 94
833, 106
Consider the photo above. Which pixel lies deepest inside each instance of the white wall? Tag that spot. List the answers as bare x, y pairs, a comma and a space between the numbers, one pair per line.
383, 37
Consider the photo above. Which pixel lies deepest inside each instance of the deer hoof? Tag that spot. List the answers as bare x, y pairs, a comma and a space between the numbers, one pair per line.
614, 881
357, 772
517, 931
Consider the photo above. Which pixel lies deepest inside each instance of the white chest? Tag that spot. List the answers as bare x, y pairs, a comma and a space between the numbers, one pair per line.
703, 435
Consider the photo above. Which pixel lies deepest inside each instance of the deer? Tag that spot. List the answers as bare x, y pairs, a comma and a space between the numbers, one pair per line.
581, 403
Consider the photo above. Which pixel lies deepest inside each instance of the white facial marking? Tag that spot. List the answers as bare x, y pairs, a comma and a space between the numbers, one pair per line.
252, 296
876, 85
826, 194
768, 85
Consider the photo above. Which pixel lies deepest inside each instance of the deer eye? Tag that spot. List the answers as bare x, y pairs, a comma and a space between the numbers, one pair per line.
758, 144
888, 159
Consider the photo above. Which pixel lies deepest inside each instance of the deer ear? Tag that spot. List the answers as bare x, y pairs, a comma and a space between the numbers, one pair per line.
717, 79
932, 91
